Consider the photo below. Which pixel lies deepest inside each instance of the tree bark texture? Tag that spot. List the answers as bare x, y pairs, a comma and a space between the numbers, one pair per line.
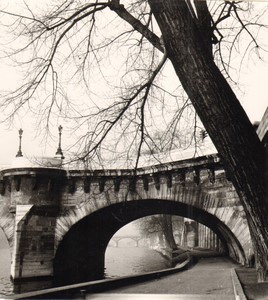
222, 115
168, 231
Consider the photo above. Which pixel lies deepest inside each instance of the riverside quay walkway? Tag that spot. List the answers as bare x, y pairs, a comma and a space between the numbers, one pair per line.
207, 277
211, 278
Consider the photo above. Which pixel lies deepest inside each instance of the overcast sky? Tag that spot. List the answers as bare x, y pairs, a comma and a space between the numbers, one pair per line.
253, 96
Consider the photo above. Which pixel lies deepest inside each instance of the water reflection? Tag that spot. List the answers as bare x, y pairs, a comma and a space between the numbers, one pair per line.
124, 261
121, 261
33, 285
6, 287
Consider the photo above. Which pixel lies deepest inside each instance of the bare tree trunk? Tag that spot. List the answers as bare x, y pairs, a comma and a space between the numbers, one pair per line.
222, 115
168, 231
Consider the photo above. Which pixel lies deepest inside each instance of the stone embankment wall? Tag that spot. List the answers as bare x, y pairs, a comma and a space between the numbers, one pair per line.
59, 220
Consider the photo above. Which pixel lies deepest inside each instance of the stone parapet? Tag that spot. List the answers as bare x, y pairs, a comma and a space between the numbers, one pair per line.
54, 216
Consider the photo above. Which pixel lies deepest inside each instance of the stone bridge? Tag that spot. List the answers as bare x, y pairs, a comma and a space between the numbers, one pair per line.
59, 223
117, 238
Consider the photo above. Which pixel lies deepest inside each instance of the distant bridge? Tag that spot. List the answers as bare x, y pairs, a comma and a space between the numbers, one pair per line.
117, 238
59, 223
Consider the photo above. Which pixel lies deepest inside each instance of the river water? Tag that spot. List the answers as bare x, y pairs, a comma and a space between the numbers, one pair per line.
6, 287
124, 261
119, 261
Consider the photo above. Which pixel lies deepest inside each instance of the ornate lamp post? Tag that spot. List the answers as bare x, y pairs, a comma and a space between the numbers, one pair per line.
59, 150
19, 154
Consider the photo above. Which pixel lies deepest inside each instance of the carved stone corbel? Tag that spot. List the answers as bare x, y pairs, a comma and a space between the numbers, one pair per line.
145, 182
211, 175
196, 174
169, 180
87, 183
156, 178
102, 181
117, 183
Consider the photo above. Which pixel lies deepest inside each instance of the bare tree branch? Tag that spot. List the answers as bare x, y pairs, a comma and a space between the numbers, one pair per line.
136, 24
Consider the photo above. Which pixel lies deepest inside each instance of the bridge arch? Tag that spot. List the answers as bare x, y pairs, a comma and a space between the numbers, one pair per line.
80, 254
134, 239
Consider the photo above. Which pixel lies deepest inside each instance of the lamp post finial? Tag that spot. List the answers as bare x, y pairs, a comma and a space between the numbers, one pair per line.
19, 154
59, 150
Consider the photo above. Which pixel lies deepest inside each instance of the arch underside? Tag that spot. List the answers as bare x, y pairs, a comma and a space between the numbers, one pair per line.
81, 253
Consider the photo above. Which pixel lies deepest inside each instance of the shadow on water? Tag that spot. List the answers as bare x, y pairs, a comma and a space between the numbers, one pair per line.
6, 287
25, 286
124, 261
119, 262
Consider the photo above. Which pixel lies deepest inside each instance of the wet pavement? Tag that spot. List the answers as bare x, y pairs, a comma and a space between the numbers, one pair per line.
253, 289
210, 278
